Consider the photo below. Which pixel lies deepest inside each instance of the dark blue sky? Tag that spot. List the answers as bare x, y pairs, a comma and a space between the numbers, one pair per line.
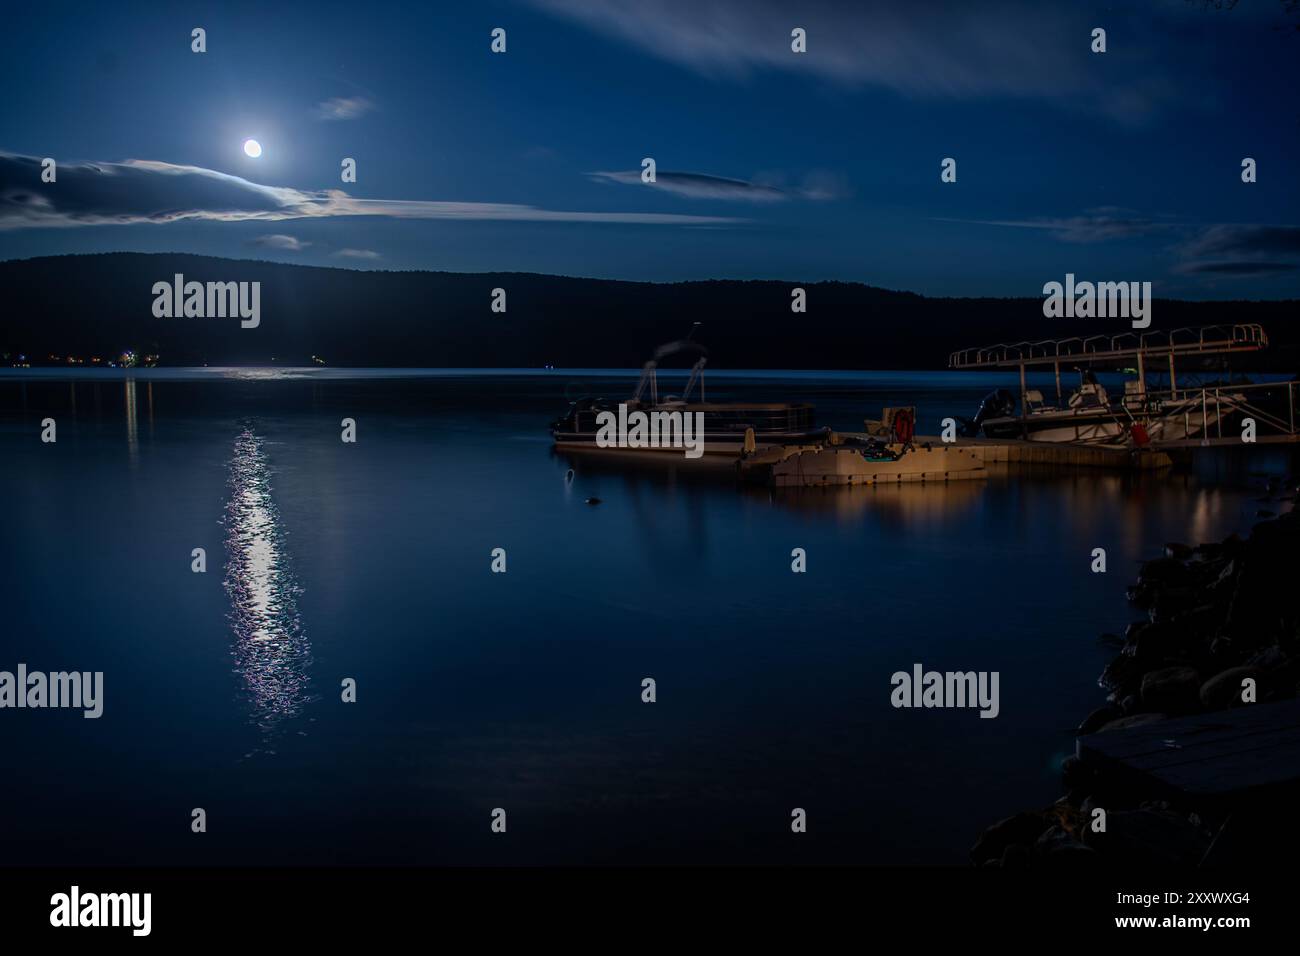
1124, 165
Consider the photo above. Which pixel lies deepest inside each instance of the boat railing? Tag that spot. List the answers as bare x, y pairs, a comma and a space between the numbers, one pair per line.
1200, 401
1213, 339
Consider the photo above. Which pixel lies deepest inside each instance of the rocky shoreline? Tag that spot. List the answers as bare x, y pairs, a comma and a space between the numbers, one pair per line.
1216, 614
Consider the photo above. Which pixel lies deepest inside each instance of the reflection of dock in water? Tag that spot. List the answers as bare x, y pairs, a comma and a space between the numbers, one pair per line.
271, 651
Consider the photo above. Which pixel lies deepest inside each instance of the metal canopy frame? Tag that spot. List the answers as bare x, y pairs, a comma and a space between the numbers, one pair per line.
1122, 350
1210, 340
649, 372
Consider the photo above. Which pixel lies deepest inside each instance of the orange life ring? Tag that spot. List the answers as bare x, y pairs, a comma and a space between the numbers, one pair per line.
904, 426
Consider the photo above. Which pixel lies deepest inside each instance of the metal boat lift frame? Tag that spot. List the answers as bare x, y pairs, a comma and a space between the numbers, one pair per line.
1127, 348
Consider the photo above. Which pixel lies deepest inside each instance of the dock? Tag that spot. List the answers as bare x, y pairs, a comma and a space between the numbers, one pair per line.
1224, 756
1071, 454
1016, 451
833, 463
928, 459
1238, 766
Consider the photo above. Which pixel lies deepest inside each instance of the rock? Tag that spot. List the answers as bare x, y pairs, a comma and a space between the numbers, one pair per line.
1023, 828
1075, 775
1223, 649
1054, 835
1137, 720
1163, 572
1150, 838
1130, 705
1179, 552
1073, 855
593, 501
1121, 673
1171, 689
1263, 608
1057, 847
1099, 717
1170, 603
1285, 674
1269, 658
1015, 857
1156, 641
1224, 688
1226, 575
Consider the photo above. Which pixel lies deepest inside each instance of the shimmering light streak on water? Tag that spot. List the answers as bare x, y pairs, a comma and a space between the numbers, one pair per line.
271, 651
132, 428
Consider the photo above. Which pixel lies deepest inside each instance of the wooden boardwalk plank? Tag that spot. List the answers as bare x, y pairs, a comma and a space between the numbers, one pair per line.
1220, 754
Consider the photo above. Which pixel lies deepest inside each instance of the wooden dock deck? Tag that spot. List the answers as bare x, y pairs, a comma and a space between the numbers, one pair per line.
985, 451
1224, 756
1017, 451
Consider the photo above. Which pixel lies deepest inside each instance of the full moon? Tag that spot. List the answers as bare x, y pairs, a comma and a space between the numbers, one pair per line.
252, 148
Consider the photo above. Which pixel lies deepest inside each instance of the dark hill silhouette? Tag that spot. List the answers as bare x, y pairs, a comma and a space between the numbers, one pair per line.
101, 304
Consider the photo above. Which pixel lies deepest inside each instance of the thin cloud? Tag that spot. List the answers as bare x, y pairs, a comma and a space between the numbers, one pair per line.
357, 254
816, 186
1219, 249
1236, 249
922, 48
1100, 225
1236, 268
344, 108
1234, 239
146, 191
697, 186
279, 241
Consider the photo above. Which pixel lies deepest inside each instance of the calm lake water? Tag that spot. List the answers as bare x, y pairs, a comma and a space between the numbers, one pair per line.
522, 690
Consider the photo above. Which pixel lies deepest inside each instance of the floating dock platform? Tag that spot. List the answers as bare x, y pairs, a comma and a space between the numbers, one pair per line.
1070, 454
929, 460
824, 464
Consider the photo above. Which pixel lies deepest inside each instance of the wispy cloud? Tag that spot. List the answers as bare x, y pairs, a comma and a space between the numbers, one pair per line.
344, 108
1233, 239
922, 48
1237, 268
818, 186
1235, 249
357, 254
279, 241
1094, 225
697, 186
1217, 249
147, 191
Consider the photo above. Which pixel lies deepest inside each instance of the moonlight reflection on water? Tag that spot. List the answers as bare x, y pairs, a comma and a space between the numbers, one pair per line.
272, 654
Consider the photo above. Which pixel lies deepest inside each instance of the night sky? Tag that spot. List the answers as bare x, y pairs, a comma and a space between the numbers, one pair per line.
1117, 166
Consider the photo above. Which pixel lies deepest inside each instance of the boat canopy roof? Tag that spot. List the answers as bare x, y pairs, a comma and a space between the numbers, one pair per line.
674, 348
1119, 349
